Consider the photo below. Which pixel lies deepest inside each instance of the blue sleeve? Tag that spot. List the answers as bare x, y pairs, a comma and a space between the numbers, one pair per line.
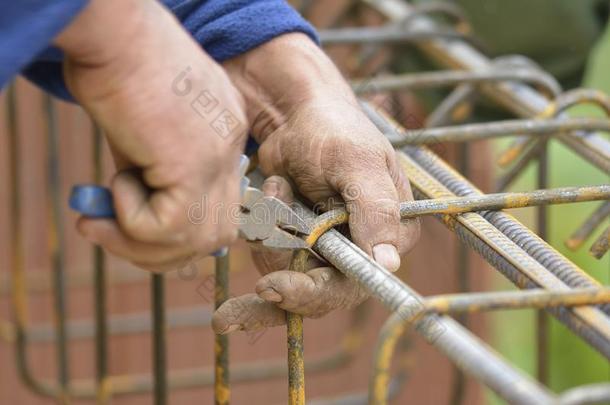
223, 28
26, 29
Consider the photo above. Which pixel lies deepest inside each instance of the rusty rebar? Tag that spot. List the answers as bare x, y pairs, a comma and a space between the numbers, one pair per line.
561, 103
222, 389
99, 291
588, 227
159, 355
57, 250
383, 35
601, 244
457, 205
448, 78
471, 132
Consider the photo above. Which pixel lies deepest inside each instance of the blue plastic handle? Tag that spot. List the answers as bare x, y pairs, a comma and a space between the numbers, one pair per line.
92, 201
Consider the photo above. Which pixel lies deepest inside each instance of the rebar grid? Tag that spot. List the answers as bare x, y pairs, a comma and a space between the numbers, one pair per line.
555, 284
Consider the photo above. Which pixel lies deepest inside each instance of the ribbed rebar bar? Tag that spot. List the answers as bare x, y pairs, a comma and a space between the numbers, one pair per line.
471, 132
457, 205
437, 79
389, 34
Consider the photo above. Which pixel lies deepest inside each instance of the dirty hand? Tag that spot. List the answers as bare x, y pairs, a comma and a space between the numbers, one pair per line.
312, 131
175, 124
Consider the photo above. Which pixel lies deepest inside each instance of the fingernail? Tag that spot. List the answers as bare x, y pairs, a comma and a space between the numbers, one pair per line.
269, 294
387, 256
271, 189
229, 329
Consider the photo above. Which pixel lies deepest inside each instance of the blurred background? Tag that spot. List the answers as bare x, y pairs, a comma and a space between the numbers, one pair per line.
57, 147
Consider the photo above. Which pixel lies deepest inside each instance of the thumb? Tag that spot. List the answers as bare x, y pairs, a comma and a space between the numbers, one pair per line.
372, 201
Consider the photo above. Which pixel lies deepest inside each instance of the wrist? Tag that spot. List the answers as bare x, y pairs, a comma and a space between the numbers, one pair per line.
283, 76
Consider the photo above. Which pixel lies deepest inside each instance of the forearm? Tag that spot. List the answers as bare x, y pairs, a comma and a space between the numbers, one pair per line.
283, 75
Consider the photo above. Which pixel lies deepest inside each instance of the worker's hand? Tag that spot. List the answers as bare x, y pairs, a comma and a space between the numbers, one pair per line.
312, 131
312, 294
175, 124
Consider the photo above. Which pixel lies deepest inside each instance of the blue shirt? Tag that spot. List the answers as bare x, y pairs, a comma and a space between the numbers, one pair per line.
224, 28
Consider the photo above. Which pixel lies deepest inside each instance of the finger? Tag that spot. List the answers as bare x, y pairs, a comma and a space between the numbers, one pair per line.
144, 216
278, 187
410, 228
265, 259
372, 201
247, 312
107, 234
311, 294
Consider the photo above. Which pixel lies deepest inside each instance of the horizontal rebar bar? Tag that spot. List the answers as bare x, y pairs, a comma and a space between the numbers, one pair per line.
380, 35
435, 79
499, 201
471, 132
497, 300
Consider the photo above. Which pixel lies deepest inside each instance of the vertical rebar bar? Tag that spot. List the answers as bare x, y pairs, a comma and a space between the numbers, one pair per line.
294, 331
222, 391
159, 355
542, 318
57, 250
99, 291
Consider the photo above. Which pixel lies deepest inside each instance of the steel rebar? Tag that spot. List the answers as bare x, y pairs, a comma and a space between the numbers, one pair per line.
99, 292
222, 390
588, 227
457, 205
437, 79
601, 244
471, 132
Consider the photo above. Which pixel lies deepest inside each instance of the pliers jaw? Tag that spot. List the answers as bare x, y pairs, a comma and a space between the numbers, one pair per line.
271, 222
